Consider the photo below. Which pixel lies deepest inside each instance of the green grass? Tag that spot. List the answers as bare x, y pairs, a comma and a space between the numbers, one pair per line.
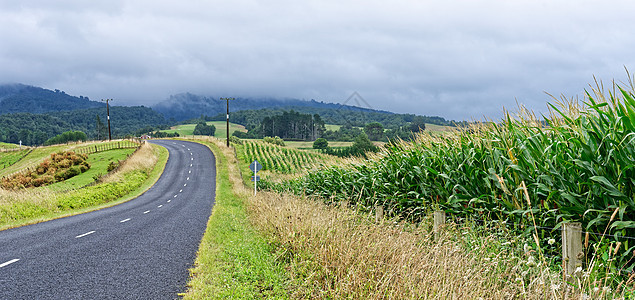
98, 166
8, 146
221, 129
54, 205
234, 261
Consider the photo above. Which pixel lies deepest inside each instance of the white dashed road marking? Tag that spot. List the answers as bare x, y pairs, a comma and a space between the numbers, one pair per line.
124, 220
85, 234
145, 212
160, 206
8, 263
185, 184
169, 201
187, 178
189, 172
175, 196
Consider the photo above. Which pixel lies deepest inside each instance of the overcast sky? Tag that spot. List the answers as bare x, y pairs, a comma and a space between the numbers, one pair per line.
456, 59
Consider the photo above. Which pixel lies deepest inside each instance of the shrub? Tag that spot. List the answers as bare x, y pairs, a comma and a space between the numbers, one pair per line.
235, 140
320, 143
274, 140
60, 166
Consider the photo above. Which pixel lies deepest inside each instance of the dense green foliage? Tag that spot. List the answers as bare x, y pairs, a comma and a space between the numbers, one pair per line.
335, 115
69, 136
203, 129
320, 143
374, 131
36, 129
577, 168
274, 140
360, 147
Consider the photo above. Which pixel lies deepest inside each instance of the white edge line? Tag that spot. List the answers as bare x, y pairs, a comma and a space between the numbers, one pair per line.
85, 234
124, 220
9, 262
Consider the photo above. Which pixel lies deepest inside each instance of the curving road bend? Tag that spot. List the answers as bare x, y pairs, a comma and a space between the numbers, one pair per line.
141, 249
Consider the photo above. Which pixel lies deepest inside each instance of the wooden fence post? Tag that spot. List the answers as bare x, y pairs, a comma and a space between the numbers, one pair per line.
439, 221
572, 251
379, 213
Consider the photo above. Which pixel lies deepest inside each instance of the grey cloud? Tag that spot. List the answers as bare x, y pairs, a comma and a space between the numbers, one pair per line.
457, 59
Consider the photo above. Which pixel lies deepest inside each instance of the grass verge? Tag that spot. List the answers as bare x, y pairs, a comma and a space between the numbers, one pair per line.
32, 206
233, 260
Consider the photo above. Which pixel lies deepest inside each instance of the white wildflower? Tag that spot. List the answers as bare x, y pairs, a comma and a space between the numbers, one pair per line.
531, 262
526, 248
551, 241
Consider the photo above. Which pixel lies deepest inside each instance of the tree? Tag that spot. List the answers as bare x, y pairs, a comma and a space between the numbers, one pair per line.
100, 129
418, 124
363, 144
204, 129
320, 143
374, 131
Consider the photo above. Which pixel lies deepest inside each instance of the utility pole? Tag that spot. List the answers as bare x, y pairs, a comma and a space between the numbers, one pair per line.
108, 116
227, 99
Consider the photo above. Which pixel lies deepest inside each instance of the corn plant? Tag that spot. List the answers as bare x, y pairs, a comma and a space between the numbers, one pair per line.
576, 164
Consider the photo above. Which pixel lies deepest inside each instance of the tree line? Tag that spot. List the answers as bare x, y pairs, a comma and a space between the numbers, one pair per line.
36, 129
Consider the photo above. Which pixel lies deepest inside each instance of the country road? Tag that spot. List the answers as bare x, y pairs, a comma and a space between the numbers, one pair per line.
141, 249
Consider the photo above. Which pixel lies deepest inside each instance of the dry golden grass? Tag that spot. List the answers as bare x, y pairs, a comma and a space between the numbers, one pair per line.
143, 159
42, 197
338, 253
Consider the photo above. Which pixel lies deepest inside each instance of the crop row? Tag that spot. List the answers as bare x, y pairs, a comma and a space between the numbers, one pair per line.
280, 159
11, 157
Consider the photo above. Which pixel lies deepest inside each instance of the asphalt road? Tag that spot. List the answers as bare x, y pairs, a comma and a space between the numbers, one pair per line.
141, 249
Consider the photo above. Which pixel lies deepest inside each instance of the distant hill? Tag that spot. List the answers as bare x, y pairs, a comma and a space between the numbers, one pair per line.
32, 115
17, 98
189, 106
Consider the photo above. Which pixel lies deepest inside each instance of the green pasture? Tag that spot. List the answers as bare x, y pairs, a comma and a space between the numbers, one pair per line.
221, 129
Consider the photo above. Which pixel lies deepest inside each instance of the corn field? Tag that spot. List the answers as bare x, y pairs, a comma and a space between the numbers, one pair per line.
577, 164
280, 159
9, 158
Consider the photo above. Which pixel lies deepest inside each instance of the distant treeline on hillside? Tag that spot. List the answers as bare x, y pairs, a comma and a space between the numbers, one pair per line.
253, 118
36, 129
